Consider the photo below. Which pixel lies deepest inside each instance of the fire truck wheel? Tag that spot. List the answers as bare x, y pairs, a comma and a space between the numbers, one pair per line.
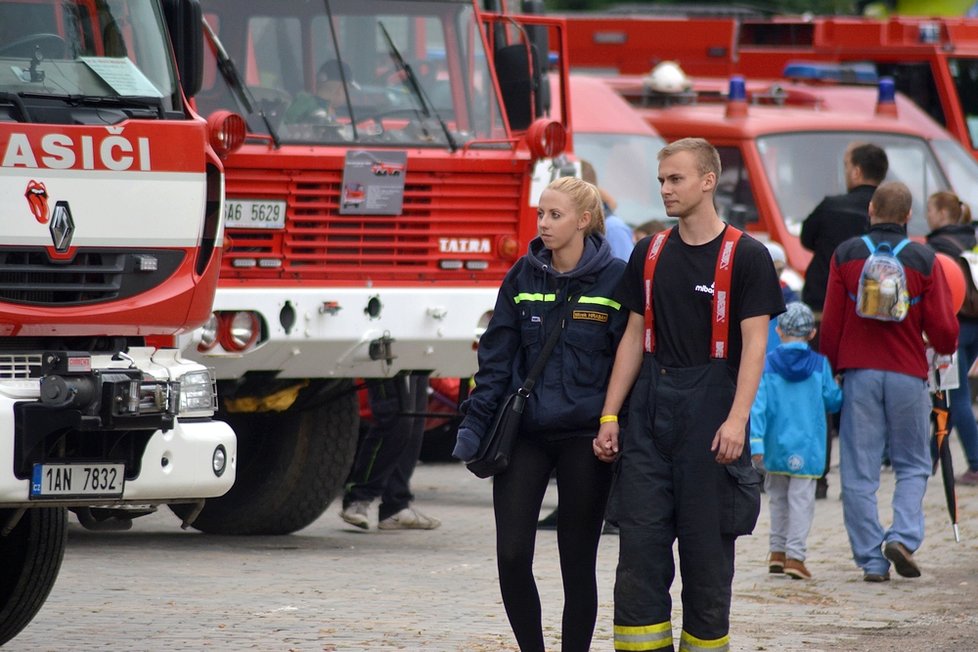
291, 465
31, 555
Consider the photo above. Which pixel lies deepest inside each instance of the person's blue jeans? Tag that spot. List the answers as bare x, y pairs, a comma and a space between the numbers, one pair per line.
962, 416
881, 407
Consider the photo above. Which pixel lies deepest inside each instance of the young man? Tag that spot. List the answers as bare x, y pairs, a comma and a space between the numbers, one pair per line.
694, 349
886, 401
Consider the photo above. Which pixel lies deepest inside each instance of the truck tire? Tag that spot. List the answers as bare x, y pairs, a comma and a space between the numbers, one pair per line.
31, 555
291, 465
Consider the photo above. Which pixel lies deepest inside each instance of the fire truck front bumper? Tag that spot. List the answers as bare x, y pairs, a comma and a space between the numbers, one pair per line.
50, 456
302, 332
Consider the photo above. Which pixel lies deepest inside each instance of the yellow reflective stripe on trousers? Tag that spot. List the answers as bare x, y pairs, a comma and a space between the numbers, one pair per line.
601, 301
534, 296
689, 643
643, 637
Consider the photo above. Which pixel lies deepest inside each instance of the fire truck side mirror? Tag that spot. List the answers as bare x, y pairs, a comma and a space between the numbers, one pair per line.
513, 67
183, 20
540, 41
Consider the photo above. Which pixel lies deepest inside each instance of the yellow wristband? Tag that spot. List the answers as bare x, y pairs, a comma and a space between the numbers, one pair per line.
609, 418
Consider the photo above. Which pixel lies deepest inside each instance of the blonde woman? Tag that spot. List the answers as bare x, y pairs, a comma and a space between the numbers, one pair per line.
570, 262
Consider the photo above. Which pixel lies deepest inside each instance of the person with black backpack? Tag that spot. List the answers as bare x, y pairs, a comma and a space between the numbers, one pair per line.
953, 233
881, 355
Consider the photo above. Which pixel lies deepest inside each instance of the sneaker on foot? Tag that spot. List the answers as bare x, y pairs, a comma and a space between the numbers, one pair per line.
901, 558
409, 519
795, 569
356, 514
775, 563
969, 478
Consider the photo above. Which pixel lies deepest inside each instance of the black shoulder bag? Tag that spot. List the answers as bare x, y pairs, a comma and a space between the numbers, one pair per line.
497, 444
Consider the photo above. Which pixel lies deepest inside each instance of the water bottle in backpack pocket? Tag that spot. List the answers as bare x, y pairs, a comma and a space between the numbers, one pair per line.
882, 292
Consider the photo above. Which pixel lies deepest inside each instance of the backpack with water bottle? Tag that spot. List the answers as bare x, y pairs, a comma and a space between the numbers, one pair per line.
883, 292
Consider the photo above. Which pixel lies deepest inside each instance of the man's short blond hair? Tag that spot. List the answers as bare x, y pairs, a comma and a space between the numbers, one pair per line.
707, 156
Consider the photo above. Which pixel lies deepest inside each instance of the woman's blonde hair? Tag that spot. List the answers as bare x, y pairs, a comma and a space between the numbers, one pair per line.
957, 210
586, 198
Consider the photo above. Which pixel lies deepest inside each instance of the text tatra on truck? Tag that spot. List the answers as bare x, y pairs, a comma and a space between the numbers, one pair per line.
112, 241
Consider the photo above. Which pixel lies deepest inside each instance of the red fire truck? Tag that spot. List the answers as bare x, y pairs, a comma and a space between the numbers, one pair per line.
112, 234
781, 147
934, 61
383, 191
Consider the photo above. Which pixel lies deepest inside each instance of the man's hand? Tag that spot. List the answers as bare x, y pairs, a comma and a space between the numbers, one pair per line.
728, 443
605, 445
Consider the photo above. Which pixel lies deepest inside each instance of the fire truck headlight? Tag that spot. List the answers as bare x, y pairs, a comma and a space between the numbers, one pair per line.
219, 461
546, 138
238, 331
208, 334
198, 394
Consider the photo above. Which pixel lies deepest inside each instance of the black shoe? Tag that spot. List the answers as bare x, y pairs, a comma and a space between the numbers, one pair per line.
821, 489
548, 522
876, 577
901, 558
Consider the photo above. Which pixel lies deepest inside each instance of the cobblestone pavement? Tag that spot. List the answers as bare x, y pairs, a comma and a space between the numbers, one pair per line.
334, 588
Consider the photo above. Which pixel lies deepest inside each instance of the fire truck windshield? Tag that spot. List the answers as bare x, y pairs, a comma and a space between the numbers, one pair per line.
628, 169
80, 52
802, 168
337, 71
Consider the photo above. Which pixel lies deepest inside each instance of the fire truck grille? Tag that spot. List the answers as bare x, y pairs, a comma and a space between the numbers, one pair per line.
29, 276
449, 225
19, 365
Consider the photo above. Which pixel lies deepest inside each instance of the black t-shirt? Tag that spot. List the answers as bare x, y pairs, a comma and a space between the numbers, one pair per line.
683, 295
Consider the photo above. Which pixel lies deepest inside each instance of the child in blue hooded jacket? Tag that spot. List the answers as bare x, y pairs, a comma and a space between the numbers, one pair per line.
787, 435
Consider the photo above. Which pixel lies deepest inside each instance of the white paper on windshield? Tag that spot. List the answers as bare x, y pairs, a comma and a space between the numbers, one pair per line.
122, 76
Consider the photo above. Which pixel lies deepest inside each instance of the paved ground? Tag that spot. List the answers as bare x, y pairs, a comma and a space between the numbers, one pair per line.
332, 588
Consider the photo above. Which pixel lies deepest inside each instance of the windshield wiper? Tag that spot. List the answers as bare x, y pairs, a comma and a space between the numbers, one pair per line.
416, 88
14, 100
238, 88
113, 101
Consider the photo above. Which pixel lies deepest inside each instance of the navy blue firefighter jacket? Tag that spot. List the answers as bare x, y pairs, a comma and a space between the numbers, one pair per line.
568, 396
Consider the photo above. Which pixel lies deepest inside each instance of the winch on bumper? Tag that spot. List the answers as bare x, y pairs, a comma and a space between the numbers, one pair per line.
98, 430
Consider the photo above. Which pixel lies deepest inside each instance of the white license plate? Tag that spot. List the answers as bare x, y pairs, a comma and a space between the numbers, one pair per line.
254, 214
78, 480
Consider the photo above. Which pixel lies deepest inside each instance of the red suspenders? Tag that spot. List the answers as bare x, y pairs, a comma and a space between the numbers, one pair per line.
722, 278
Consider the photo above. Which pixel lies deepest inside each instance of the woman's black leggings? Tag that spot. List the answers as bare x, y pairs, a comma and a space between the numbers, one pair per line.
583, 483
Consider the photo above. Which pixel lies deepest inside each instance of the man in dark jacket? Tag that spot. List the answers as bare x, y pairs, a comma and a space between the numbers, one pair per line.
840, 217
836, 219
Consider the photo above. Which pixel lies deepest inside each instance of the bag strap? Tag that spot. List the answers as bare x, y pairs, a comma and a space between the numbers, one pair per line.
873, 246
722, 281
548, 347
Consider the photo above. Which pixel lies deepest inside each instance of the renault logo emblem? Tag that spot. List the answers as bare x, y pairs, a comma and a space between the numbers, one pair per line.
62, 227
